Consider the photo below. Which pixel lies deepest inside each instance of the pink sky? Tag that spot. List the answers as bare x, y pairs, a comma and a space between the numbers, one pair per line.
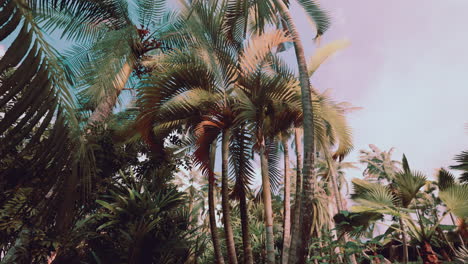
407, 66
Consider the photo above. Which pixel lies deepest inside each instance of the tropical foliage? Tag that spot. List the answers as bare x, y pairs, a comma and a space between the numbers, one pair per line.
179, 134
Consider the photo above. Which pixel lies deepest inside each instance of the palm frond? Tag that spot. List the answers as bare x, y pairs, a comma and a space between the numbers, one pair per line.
323, 53
408, 185
455, 197
445, 179
319, 16
462, 165
76, 18
259, 47
240, 160
150, 11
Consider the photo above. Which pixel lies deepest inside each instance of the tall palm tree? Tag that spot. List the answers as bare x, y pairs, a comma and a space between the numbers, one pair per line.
264, 13
330, 126
262, 95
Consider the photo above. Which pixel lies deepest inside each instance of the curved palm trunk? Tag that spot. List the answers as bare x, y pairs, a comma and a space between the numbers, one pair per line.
104, 108
299, 254
297, 200
287, 203
405, 243
267, 204
248, 256
231, 247
102, 111
211, 208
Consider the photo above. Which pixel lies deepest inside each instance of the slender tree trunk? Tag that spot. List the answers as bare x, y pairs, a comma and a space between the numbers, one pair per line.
104, 108
299, 253
297, 199
405, 243
248, 257
211, 208
287, 203
334, 232
231, 247
455, 224
339, 205
267, 204
190, 209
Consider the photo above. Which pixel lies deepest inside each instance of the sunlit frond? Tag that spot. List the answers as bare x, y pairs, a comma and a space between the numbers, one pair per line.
259, 47
323, 53
455, 198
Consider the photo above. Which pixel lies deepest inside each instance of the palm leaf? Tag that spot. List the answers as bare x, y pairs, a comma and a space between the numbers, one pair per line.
323, 53
455, 197
462, 165
408, 185
445, 179
259, 47
319, 16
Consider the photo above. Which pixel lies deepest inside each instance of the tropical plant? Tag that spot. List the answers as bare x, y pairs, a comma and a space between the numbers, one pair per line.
462, 165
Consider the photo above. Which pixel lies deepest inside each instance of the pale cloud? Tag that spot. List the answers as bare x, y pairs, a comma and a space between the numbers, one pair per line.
2, 50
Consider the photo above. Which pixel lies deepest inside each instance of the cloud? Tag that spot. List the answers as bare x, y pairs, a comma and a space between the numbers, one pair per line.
2, 50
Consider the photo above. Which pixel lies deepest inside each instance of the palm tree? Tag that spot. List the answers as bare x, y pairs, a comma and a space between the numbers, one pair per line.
95, 58
265, 12
287, 201
261, 97
305, 221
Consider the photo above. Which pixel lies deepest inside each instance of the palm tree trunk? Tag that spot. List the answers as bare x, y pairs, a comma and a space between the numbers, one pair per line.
190, 209
339, 205
267, 204
297, 201
248, 256
405, 243
104, 108
428, 255
231, 247
211, 208
299, 253
287, 203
